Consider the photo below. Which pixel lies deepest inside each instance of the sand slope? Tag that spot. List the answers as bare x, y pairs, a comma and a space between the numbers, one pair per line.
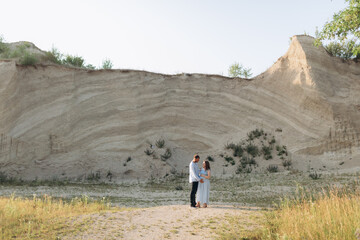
63, 122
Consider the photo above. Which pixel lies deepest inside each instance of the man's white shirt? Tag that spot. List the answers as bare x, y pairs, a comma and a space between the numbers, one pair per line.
194, 171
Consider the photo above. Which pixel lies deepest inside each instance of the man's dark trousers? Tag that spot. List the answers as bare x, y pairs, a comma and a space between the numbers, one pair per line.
193, 193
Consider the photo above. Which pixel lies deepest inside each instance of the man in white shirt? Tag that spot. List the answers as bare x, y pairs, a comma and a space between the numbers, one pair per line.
194, 179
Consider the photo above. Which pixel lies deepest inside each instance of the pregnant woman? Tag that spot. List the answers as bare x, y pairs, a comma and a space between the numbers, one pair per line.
202, 196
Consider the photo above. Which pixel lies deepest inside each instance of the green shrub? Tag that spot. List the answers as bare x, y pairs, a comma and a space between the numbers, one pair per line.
107, 64
94, 176
229, 160
109, 175
90, 66
160, 143
281, 150
252, 150
315, 176
255, 134
210, 158
57, 57
28, 59
75, 61
148, 152
344, 50
266, 150
6, 179
128, 159
248, 169
230, 146
242, 169
179, 188
166, 155
272, 141
238, 151
252, 161
272, 168
54, 56
238, 70
286, 163
3, 45
243, 162
17, 52
247, 161
239, 169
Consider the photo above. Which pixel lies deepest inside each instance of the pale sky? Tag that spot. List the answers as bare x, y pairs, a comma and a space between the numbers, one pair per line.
167, 36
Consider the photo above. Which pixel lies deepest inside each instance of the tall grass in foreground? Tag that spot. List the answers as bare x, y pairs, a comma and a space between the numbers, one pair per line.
332, 214
44, 218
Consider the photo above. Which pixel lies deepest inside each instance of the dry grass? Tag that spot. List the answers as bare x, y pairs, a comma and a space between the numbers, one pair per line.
234, 227
333, 214
44, 218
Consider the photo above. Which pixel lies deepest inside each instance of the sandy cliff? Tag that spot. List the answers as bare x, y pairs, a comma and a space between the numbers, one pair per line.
57, 121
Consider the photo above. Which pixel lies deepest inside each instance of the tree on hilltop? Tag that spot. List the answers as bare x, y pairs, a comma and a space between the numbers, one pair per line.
238, 70
343, 32
107, 64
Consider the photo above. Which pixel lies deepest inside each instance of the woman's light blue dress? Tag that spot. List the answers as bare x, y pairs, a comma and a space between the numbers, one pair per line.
202, 195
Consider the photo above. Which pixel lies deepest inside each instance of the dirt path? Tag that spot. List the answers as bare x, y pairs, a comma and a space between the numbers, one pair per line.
166, 222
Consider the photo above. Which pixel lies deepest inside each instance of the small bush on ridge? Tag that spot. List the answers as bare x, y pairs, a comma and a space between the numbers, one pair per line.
229, 160
166, 155
272, 168
148, 152
75, 61
210, 158
28, 59
107, 64
315, 176
160, 143
252, 150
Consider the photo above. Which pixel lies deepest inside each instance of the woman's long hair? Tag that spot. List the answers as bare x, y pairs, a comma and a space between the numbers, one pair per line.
207, 165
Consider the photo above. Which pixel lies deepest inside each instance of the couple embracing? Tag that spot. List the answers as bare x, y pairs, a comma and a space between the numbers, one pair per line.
200, 182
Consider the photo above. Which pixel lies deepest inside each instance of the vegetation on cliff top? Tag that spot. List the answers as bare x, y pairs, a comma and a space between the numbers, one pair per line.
25, 55
238, 70
343, 32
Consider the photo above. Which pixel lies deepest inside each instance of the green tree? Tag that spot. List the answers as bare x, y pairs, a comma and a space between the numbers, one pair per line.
343, 31
28, 59
54, 55
238, 70
75, 61
90, 66
107, 64
3, 46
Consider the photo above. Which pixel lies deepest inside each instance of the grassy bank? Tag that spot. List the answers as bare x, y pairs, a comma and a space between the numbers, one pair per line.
332, 214
44, 218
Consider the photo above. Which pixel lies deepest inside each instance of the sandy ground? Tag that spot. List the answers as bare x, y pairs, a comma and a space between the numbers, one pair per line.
165, 222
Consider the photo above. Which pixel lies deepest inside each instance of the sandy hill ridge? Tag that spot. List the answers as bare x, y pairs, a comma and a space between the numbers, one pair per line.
64, 122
